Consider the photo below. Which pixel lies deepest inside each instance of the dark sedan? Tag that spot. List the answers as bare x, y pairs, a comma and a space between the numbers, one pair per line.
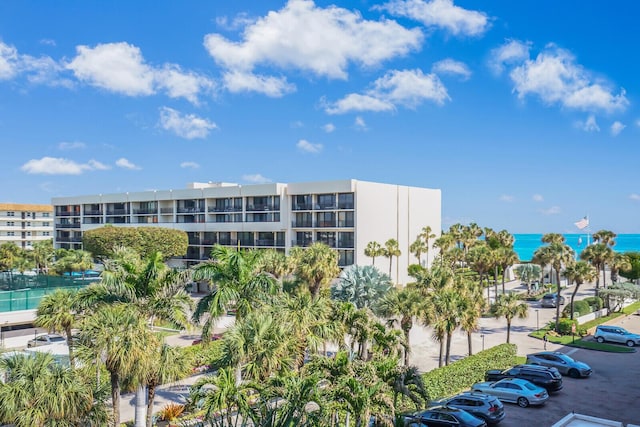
442, 416
542, 376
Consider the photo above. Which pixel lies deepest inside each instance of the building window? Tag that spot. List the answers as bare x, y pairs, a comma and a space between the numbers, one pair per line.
328, 238
345, 240
45, 233
345, 258
46, 224
326, 201
11, 224
28, 224
326, 219
345, 201
10, 213
345, 219
302, 202
303, 238
11, 233
45, 214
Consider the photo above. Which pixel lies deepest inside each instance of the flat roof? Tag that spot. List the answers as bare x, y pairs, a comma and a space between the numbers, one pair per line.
25, 207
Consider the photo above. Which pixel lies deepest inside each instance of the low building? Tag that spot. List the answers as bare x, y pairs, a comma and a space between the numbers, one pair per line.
345, 214
25, 224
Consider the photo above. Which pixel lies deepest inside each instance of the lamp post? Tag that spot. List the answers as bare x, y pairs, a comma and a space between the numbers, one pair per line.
482, 336
537, 320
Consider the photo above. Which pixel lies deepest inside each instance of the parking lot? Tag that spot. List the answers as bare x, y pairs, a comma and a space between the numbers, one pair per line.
612, 391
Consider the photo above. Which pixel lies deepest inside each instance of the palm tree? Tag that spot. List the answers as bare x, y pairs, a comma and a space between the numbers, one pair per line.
42, 255
39, 392
316, 266
404, 381
553, 238
448, 304
579, 272
605, 236
510, 306
417, 248
528, 273
9, 256
373, 250
168, 364
362, 286
118, 335
472, 305
427, 235
557, 255
506, 257
74, 260
391, 249
480, 260
234, 277
618, 262
598, 255
406, 304
56, 313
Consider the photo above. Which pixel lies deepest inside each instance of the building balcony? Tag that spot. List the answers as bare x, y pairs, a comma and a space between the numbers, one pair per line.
73, 225
117, 212
224, 209
69, 239
262, 208
228, 242
166, 211
345, 224
146, 211
68, 213
303, 207
302, 224
325, 207
346, 244
266, 242
326, 224
209, 242
183, 210
345, 206
89, 212
302, 243
329, 242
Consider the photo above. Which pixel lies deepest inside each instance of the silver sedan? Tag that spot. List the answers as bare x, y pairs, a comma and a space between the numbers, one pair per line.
514, 390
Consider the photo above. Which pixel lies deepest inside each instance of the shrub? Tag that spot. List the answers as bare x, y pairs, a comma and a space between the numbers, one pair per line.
564, 326
171, 411
580, 307
462, 374
595, 303
200, 355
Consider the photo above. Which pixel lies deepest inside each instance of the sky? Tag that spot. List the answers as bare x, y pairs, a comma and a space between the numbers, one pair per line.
524, 113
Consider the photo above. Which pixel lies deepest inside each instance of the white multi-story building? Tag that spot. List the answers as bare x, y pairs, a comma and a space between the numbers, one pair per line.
346, 215
25, 224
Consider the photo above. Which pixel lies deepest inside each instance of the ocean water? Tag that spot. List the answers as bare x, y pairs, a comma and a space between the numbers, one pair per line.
526, 244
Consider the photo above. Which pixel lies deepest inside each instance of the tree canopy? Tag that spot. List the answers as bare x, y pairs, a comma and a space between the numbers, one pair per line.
103, 241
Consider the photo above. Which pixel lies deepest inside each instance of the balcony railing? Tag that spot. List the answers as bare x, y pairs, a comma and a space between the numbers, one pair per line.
345, 205
262, 208
325, 206
302, 207
303, 243
348, 244
92, 212
228, 242
73, 225
68, 213
208, 242
223, 209
302, 224
345, 224
117, 212
329, 242
326, 224
265, 242
69, 239
147, 211
190, 210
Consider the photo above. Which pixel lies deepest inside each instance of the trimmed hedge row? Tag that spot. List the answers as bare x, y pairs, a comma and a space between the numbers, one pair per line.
462, 374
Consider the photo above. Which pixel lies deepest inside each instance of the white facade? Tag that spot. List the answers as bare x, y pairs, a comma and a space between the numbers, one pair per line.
345, 214
25, 224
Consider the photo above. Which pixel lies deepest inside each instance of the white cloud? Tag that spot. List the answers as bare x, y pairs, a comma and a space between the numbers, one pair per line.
189, 165
323, 41
240, 21
616, 128
241, 81
256, 179
589, 125
537, 198
634, 196
359, 123
121, 68
329, 127
451, 66
71, 145
553, 210
48, 42
126, 164
42, 70
8, 61
507, 198
408, 88
187, 126
556, 78
513, 51
60, 166
441, 13
309, 147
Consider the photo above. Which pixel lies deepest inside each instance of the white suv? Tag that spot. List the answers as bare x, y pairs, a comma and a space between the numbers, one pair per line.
616, 334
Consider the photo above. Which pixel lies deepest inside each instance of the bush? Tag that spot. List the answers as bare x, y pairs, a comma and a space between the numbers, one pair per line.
595, 303
462, 374
102, 241
564, 326
581, 307
203, 356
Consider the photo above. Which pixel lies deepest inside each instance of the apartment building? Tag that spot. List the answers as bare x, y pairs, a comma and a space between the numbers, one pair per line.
345, 214
25, 224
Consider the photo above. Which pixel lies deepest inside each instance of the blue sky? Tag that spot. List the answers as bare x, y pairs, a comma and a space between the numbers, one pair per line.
524, 113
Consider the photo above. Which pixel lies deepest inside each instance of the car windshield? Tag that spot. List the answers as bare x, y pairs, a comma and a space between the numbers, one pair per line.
567, 358
56, 339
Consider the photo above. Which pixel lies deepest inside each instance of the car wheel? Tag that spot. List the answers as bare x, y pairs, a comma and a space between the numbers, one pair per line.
523, 402
600, 340
573, 373
630, 343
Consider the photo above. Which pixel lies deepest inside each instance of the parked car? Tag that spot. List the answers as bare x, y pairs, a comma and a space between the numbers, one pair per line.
616, 334
551, 300
514, 390
46, 339
442, 416
480, 405
542, 376
214, 337
563, 363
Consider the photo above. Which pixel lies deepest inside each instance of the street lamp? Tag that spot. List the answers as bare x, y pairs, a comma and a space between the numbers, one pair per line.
482, 336
537, 320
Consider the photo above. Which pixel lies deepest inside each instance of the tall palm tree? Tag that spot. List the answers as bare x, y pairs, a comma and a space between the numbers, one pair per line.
42, 255
472, 305
405, 304
9, 256
75, 260
391, 249
579, 272
373, 250
56, 313
362, 286
118, 335
617, 263
316, 266
480, 260
510, 306
598, 255
506, 257
553, 238
417, 248
39, 392
448, 304
234, 277
426, 235
528, 273
168, 364
557, 255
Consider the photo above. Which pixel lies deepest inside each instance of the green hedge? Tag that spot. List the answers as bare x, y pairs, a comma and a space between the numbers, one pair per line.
462, 374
